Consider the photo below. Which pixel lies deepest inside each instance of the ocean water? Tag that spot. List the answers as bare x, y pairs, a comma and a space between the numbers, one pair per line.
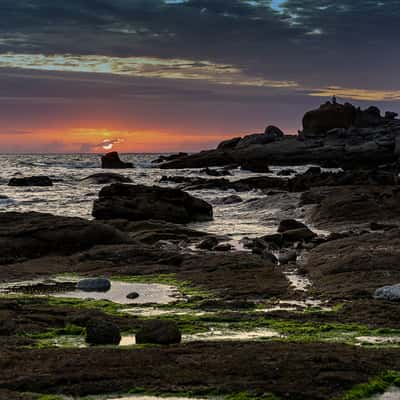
258, 214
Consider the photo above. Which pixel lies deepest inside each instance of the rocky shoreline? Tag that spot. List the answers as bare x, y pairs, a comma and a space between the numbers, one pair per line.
299, 313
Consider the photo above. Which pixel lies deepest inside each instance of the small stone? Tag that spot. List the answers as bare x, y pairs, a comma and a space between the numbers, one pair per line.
132, 296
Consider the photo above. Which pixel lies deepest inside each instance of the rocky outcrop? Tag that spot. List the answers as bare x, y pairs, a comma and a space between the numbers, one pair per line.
138, 202
106, 179
112, 161
171, 157
333, 135
159, 332
32, 235
31, 181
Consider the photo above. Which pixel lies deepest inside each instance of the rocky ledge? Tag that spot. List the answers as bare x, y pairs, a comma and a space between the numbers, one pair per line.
334, 135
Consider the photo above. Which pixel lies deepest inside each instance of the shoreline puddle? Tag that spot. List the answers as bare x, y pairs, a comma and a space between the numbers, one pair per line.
148, 293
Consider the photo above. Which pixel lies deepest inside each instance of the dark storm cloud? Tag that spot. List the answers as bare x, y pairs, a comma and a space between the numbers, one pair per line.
318, 42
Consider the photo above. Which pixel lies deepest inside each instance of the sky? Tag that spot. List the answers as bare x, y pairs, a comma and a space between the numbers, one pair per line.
182, 75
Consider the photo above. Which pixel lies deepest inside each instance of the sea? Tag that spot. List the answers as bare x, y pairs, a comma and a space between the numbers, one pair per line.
258, 214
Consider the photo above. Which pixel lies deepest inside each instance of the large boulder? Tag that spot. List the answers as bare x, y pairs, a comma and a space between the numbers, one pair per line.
32, 235
31, 181
112, 160
274, 132
94, 285
159, 332
100, 332
229, 144
328, 116
139, 202
106, 178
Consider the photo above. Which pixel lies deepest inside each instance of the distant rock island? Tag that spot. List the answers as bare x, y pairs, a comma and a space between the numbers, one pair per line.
334, 135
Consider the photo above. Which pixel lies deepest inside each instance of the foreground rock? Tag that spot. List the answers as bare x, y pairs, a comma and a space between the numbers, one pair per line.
333, 135
94, 285
341, 207
32, 235
31, 181
100, 332
138, 202
159, 332
112, 160
106, 178
356, 266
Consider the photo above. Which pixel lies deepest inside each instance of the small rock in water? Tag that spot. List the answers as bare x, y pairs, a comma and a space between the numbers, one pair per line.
223, 247
286, 172
99, 331
112, 160
290, 224
159, 332
31, 181
94, 285
287, 257
132, 296
391, 293
208, 244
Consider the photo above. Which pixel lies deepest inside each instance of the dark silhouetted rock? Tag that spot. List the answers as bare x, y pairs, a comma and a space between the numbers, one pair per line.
229, 144
215, 172
138, 202
159, 332
102, 332
223, 247
31, 181
170, 157
256, 165
286, 172
132, 296
290, 224
274, 132
298, 235
391, 115
94, 285
106, 178
112, 161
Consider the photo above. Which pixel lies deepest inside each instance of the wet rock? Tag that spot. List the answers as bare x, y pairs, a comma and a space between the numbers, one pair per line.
223, 247
138, 202
391, 115
259, 166
112, 161
286, 172
32, 235
233, 199
215, 172
275, 238
31, 181
390, 293
94, 285
287, 257
268, 256
376, 226
208, 244
298, 235
106, 178
159, 332
132, 296
289, 225
102, 332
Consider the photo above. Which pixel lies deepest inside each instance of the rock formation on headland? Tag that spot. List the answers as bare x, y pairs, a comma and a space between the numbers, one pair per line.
112, 160
337, 135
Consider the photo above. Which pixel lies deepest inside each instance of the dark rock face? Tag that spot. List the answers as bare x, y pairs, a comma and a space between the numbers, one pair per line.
290, 224
209, 243
106, 178
328, 116
138, 202
159, 332
171, 157
94, 285
100, 332
259, 166
112, 161
334, 135
215, 172
31, 181
32, 235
